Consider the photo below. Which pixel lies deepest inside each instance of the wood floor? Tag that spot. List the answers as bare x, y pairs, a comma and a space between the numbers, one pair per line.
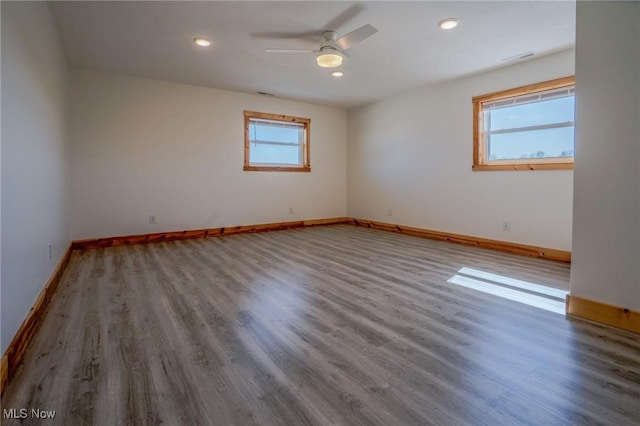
329, 325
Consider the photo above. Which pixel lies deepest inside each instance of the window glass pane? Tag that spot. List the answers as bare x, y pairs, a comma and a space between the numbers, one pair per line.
265, 133
275, 154
547, 143
286, 143
558, 110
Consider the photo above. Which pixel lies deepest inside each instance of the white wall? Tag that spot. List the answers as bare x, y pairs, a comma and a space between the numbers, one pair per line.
35, 178
142, 147
412, 153
606, 223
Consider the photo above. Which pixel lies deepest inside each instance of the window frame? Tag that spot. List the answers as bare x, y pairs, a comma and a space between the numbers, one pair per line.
305, 167
480, 163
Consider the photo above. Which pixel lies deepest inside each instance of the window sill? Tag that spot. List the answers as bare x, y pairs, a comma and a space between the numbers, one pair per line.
520, 167
276, 169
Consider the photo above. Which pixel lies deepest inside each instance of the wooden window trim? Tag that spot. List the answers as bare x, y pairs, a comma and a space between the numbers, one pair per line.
306, 167
479, 162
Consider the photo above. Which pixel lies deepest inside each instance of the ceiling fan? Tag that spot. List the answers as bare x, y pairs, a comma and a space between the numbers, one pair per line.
332, 46
331, 51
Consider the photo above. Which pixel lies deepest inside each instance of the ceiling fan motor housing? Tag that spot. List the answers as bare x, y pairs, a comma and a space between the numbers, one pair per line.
328, 37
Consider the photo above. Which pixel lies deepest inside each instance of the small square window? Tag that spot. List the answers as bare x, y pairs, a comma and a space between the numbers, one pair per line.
526, 128
276, 142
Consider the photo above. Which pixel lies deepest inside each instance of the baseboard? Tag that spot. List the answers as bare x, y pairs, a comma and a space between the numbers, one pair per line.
601, 312
521, 249
4, 373
14, 353
515, 248
330, 221
198, 233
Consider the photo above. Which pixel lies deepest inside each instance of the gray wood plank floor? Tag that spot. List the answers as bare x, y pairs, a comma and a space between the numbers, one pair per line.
329, 325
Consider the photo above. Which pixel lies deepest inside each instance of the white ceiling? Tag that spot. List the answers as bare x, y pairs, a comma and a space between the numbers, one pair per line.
154, 40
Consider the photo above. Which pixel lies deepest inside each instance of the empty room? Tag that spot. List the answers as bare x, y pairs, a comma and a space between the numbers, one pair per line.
320, 212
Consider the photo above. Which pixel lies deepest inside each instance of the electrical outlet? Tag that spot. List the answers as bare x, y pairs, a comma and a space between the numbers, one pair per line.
506, 225
152, 219
290, 210
389, 212
50, 254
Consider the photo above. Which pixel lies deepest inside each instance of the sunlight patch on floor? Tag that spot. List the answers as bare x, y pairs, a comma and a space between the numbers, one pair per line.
536, 295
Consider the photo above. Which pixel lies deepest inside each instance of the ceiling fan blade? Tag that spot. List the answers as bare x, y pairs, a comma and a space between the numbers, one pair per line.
344, 17
356, 36
288, 50
306, 35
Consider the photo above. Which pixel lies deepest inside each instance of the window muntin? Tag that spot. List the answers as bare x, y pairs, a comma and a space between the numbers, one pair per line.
525, 128
276, 142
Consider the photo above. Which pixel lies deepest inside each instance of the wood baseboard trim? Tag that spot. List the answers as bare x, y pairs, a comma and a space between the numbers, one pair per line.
514, 248
330, 221
614, 316
4, 373
198, 233
14, 353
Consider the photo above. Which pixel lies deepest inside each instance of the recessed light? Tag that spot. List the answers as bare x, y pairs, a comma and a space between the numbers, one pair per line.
202, 41
337, 73
448, 24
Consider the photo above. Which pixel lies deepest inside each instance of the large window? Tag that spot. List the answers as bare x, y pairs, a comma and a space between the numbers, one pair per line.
526, 128
276, 142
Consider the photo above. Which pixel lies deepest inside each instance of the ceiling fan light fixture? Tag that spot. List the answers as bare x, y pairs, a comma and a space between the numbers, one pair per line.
202, 41
448, 24
331, 59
